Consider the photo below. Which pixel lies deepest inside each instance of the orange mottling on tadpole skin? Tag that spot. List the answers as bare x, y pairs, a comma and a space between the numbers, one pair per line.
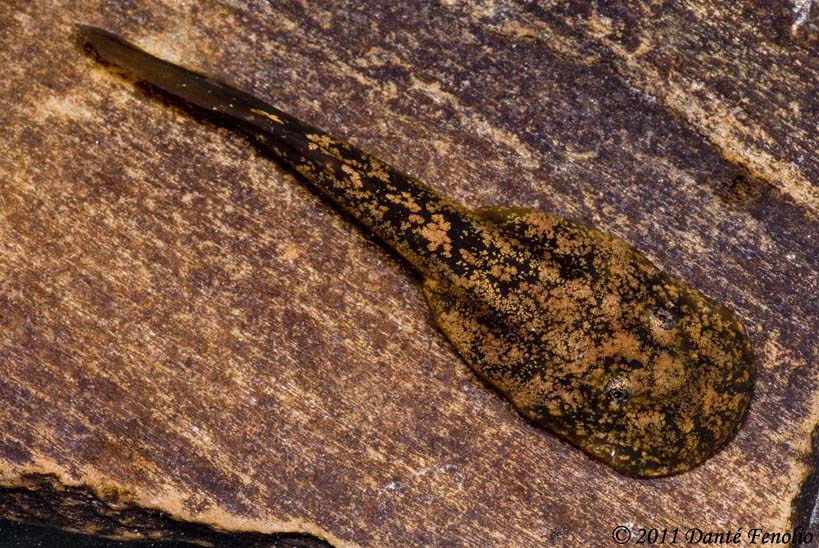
576, 327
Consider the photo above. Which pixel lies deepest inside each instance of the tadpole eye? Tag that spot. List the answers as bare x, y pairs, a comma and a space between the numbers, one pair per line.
664, 318
617, 390
618, 395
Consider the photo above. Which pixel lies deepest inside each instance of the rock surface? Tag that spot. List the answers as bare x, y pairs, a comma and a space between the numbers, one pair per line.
191, 341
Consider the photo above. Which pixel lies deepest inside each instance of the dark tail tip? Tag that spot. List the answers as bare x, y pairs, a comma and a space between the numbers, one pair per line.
85, 35
90, 34
95, 40
84, 38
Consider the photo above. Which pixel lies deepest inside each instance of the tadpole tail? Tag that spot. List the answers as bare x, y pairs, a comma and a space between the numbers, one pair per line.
192, 87
419, 223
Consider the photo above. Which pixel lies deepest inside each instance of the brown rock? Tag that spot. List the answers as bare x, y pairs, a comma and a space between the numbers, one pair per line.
191, 340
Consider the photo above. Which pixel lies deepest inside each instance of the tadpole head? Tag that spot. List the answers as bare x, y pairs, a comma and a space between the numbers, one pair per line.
659, 383
673, 383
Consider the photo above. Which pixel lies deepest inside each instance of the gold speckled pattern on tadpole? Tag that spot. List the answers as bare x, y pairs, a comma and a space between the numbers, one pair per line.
575, 326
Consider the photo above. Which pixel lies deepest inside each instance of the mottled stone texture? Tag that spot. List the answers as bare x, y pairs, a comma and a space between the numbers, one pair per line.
189, 336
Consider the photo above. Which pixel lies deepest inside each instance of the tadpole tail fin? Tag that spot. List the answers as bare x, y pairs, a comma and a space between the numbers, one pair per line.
418, 222
192, 87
